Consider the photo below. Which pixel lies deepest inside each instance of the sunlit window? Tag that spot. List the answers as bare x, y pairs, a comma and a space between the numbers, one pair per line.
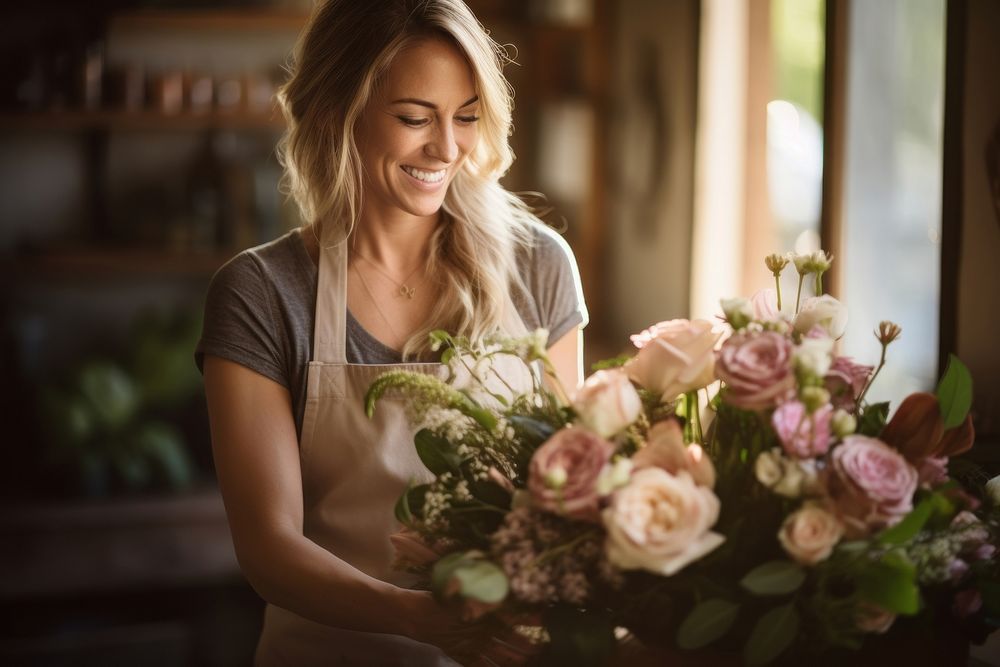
892, 206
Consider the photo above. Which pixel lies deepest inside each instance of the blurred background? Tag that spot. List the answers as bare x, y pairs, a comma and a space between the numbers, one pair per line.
678, 142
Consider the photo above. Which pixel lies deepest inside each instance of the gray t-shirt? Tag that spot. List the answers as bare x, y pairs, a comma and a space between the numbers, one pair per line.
261, 307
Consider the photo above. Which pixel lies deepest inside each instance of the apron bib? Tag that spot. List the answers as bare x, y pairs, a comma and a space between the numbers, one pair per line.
353, 471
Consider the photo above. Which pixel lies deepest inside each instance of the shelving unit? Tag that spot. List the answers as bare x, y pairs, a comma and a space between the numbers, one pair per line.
71, 121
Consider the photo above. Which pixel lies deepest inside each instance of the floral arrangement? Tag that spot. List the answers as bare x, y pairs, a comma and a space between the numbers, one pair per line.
781, 516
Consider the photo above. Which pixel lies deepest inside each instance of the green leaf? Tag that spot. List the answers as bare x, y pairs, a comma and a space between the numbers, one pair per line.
776, 577
954, 393
614, 362
873, 419
773, 633
891, 584
707, 622
481, 580
439, 455
911, 524
534, 431
411, 503
443, 569
164, 446
578, 638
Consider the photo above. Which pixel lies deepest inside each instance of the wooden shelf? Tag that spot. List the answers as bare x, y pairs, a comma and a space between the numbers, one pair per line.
115, 544
139, 120
100, 263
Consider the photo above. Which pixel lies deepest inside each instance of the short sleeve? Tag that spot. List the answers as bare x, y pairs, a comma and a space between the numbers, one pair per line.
555, 285
239, 325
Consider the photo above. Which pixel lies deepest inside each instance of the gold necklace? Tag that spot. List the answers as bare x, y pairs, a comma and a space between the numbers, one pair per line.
402, 289
364, 283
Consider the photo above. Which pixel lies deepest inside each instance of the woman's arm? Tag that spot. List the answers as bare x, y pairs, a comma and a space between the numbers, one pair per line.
257, 461
566, 355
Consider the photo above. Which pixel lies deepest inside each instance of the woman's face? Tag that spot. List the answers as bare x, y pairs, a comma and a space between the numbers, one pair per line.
418, 129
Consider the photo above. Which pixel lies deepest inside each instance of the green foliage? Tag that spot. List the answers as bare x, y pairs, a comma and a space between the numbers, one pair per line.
578, 638
772, 635
872, 419
954, 393
890, 583
436, 453
912, 523
614, 362
469, 576
707, 622
411, 504
776, 577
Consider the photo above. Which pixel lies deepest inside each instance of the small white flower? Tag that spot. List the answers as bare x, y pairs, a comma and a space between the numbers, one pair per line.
993, 490
738, 311
843, 423
613, 476
814, 356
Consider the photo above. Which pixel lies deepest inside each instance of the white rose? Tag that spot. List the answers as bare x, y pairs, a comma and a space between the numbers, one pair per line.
824, 311
660, 522
784, 476
607, 402
993, 491
738, 311
765, 305
810, 534
814, 355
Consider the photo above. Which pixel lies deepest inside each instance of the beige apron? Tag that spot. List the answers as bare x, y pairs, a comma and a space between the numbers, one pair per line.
353, 471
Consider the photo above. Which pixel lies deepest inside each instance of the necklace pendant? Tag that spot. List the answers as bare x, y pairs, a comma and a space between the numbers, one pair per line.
407, 291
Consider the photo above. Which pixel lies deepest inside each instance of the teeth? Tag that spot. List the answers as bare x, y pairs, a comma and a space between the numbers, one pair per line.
426, 176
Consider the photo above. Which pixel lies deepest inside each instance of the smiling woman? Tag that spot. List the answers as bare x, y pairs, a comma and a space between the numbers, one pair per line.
398, 117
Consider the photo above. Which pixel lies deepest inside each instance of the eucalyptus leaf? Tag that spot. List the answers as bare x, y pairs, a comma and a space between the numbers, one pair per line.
772, 635
708, 621
776, 577
481, 580
954, 393
443, 569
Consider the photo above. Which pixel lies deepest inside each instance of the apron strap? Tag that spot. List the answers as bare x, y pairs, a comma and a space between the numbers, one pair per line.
330, 333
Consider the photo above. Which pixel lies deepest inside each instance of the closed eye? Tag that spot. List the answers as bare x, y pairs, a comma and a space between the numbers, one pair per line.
413, 122
467, 119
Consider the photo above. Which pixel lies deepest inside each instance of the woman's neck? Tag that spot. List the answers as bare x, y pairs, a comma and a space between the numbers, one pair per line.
398, 246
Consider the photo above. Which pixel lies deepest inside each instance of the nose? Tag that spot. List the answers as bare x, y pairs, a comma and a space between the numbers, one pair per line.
442, 145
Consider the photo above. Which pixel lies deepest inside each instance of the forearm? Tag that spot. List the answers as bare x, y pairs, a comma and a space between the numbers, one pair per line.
291, 571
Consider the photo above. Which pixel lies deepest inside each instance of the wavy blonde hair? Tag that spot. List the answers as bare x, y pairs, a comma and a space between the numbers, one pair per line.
342, 55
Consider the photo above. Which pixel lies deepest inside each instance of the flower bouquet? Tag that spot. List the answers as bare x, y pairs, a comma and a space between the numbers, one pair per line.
726, 493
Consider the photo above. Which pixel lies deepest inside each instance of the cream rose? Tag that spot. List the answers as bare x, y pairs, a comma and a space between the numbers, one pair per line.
607, 402
824, 311
674, 357
665, 449
660, 522
810, 534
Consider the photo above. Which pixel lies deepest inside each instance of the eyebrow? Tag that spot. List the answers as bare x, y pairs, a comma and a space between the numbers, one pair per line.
431, 105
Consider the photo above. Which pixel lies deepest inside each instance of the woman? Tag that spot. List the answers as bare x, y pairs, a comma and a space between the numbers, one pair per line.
398, 117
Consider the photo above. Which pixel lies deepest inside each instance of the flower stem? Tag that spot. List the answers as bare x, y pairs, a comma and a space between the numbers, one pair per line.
871, 380
819, 283
798, 293
777, 288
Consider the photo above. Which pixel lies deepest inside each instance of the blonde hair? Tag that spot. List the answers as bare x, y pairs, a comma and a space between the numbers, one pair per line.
341, 57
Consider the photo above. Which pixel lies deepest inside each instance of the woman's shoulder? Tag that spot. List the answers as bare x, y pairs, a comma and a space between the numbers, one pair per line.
273, 264
547, 249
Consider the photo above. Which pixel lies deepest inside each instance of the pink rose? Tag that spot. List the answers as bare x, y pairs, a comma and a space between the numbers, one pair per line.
660, 522
674, 357
967, 603
607, 402
757, 369
803, 435
562, 477
665, 449
845, 380
873, 619
810, 534
871, 484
